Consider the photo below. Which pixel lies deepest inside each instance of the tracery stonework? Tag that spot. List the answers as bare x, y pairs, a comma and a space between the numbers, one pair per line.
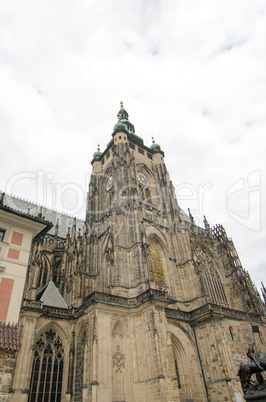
209, 276
47, 370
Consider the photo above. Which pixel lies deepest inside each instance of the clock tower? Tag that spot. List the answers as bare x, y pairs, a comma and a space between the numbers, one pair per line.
131, 214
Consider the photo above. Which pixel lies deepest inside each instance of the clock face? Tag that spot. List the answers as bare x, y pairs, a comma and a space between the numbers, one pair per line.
143, 179
109, 183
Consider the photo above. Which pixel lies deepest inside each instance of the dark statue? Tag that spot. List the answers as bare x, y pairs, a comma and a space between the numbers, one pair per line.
256, 365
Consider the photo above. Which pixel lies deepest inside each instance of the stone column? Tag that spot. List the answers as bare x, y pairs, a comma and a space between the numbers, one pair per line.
21, 380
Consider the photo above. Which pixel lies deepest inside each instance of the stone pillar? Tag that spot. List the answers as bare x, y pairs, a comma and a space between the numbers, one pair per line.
94, 383
21, 380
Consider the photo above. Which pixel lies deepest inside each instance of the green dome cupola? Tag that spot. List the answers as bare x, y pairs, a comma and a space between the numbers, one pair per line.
155, 147
120, 126
97, 155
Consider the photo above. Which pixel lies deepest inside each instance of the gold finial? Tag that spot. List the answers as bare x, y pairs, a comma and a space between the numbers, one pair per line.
121, 103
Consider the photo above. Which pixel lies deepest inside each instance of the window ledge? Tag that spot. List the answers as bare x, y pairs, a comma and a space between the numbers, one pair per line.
4, 242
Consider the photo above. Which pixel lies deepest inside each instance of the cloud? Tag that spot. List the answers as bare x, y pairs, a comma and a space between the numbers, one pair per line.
190, 73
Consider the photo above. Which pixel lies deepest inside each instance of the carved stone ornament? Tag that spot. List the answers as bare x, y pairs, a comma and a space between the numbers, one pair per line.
118, 360
69, 284
116, 317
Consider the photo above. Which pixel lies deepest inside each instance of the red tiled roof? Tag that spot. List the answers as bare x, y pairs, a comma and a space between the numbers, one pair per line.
8, 336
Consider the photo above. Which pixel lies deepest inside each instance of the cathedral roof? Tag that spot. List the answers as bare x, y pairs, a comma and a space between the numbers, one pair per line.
50, 296
125, 126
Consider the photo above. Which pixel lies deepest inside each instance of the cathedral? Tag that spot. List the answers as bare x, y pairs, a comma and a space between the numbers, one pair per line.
137, 302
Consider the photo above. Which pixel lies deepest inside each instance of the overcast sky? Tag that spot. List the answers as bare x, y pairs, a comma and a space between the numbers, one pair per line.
191, 73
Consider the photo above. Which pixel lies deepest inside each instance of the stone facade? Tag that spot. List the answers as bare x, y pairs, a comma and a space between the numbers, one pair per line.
7, 363
159, 308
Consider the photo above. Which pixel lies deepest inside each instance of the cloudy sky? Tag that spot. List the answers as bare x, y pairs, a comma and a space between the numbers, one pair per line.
191, 73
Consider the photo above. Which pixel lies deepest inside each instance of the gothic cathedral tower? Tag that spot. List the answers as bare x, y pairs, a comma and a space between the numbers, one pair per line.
139, 305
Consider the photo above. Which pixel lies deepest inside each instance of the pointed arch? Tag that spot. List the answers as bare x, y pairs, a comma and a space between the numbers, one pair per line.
185, 362
181, 365
154, 233
118, 330
48, 366
141, 167
56, 327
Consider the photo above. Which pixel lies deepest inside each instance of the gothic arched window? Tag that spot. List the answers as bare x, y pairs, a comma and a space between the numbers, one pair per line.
57, 273
155, 263
43, 273
209, 276
47, 369
213, 284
